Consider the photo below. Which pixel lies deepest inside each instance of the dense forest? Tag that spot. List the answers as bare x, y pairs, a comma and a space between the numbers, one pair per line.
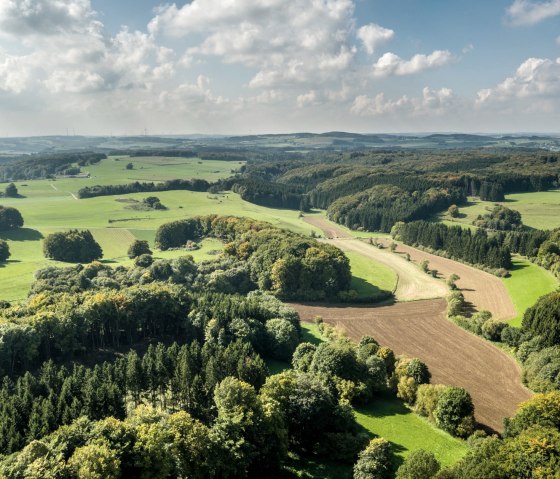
458, 243
47, 165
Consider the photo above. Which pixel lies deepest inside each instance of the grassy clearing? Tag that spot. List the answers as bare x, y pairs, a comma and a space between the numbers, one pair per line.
370, 277
540, 210
389, 418
527, 283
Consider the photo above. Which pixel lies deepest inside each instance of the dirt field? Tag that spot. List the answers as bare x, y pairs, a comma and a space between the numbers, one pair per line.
453, 355
482, 290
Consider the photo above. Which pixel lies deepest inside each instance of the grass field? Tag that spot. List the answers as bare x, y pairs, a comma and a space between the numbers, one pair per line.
389, 418
539, 210
49, 205
527, 283
370, 277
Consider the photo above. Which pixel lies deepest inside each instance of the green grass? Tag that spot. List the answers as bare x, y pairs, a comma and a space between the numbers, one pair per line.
389, 418
370, 277
48, 206
527, 283
540, 210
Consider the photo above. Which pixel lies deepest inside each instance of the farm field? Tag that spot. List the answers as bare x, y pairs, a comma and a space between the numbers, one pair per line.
369, 277
387, 417
527, 283
539, 210
412, 284
454, 356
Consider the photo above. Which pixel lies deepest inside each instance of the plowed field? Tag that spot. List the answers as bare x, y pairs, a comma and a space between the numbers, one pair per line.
453, 355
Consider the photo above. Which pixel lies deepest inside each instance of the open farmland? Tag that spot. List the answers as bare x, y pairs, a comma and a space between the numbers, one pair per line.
412, 284
454, 356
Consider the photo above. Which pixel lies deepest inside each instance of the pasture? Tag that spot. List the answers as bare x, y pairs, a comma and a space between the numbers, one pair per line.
540, 210
527, 283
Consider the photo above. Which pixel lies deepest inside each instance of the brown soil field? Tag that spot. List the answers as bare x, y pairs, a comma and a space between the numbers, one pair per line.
482, 290
454, 356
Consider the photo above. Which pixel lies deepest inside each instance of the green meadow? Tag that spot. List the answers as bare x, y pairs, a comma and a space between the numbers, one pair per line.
370, 277
540, 210
526, 284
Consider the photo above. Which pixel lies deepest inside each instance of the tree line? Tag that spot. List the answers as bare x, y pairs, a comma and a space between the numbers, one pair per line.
477, 248
145, 187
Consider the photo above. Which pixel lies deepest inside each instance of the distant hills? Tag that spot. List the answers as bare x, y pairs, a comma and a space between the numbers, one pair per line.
333, 140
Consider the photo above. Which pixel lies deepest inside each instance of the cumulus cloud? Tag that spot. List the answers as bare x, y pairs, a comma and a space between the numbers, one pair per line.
529, 12
391, 64
44, 17
288, 41
536, 78
433, 102
373, 35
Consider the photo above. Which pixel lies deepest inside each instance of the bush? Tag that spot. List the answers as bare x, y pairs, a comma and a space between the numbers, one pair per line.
419, 464
11, 191
406, 389
454, 412
492, 329
511, 336
283, 338
144, 260
138, 248
72, 246
10, 218
427, 397
418, 371
4, 250
374, 461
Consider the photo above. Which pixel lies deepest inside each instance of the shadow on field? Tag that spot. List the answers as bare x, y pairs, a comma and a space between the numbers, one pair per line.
383, 406
518, 266
21, 234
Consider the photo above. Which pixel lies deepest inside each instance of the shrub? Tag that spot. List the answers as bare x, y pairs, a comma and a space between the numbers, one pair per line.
374, 462
10, 218
492, 329
74, 246
454, 412
418, 371
303, 356
144, 260
406, 389
138, 248
4, 250
427, 397
419, 464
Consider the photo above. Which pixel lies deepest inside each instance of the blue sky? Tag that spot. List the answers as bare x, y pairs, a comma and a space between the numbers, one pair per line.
248, 66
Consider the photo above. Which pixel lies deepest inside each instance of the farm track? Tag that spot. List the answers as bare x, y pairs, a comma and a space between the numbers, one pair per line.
454, 356
420, 328
412, 283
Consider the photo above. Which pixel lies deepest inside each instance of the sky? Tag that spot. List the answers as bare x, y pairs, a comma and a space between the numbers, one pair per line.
126, 67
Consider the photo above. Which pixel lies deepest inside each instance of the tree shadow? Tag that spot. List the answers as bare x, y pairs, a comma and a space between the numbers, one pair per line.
518, 266
21, 234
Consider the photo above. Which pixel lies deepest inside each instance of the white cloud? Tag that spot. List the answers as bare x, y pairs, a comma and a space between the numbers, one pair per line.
536, 78
289, 42
529, 12
391, 64
44, 17
432, 102
373, 35
15, 73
